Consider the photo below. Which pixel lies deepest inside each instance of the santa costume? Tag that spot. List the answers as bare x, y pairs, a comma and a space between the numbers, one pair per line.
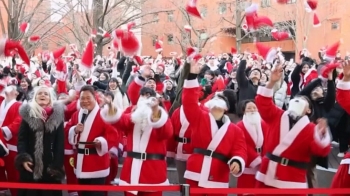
145, 162
217, 145
255, 130
86, 155
9, 123
288, 148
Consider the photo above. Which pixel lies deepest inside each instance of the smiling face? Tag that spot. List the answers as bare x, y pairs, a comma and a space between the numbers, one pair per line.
24, 84
43, 97
87, 100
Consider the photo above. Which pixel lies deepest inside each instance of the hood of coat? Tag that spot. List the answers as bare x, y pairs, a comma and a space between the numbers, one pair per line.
37, 124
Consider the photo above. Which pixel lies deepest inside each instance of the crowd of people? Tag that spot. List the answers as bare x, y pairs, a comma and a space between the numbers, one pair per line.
267, 123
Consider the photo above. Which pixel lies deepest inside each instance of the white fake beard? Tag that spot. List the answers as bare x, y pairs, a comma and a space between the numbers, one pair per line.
141, 114
296, 107
252, 118
216, 102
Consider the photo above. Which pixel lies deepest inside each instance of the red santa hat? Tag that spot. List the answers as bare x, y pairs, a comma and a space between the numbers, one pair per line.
60, 75
331, 51
93, 33
24, 27
279, 36
233, 50
191, 9
7, 45
191, 53
310, 5
130, 25
268, 53
88, 56
188, 28
250, 14
328, 68
158, 47
55, 55
104, 33
310, 75
260, 21
34, 39
228, 67
161, 65
128, 42
316, 21
138, 60
282, 1
115, 44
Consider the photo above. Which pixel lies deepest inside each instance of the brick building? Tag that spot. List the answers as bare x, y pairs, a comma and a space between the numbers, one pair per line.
220, 16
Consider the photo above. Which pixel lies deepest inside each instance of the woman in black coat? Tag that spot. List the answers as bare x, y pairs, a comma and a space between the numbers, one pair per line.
41, 143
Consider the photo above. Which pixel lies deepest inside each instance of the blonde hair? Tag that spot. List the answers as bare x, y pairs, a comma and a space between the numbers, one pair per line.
36, 111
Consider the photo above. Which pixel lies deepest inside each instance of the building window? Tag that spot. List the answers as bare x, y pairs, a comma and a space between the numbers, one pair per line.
222, 8
155, 17
291, 1
170, 16
204, 11
335, 25
154, 39
265, 3
170, 39
202, 34
45, 46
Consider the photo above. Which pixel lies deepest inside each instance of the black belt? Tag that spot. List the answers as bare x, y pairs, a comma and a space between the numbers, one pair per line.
211, 153
287, 162
145, 156
87, 151
184, 140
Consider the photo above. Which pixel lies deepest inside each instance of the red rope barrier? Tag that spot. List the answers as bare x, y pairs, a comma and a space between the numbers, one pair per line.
87, 187
211, 191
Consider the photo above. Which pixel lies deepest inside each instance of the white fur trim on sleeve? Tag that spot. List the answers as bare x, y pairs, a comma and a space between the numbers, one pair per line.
343, 85
78, 104
114, 151
191, 83
241, 161
121, 146
161, 122
5, 148
256, 162
139, 81
266, 92
110, 119
72, 137
104, 146
325, 141
7, 133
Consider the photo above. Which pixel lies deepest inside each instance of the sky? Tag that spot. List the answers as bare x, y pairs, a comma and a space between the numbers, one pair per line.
56, 6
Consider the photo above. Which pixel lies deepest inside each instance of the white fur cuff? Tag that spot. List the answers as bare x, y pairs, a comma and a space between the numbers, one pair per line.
161, 122
139, 81
120, 146
191, 83
72, 137
241, 161
114, 151
325, 141
266, 92
104, 146
343, 85
110, 119
256, 162
7, 133
170, 154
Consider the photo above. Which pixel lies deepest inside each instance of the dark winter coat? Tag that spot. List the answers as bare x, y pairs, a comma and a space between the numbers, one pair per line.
41, 143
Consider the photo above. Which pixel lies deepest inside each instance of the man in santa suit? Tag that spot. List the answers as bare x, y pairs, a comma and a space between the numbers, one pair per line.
342, 177
255, 130
293, 138
219, 146
9, 125
92, 138
148, 128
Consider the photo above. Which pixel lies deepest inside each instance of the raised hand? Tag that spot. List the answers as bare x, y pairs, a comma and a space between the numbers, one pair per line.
346, 70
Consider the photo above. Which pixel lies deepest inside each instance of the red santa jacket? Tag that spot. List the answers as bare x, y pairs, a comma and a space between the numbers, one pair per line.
310, 75
94, 129
255, 144
228, 140
296, 144
134, 89
10, 121
152, 140
182, 131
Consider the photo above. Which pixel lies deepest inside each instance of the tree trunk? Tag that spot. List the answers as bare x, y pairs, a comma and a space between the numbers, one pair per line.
238, 27
96, 23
